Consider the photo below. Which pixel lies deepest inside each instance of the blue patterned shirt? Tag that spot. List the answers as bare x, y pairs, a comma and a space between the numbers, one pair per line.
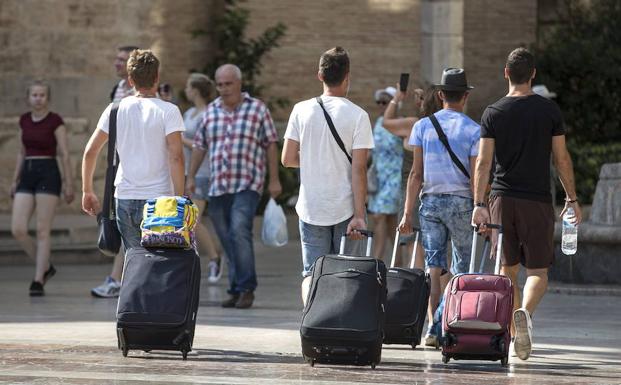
440, 174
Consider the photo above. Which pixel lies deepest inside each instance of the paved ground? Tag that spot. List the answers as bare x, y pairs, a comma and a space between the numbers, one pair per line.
68, 337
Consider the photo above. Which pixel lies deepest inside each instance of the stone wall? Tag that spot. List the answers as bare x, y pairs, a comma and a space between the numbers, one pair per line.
492, 29
381, 36
72, 44
387, 37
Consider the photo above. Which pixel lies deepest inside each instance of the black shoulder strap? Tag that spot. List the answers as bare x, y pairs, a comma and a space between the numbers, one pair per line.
113, 157
333, 129
113, 92
444, 140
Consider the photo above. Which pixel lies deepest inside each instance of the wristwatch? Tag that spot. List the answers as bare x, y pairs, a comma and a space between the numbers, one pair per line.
480, 204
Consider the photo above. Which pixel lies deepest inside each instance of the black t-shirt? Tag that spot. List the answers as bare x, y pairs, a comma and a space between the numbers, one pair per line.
522, 128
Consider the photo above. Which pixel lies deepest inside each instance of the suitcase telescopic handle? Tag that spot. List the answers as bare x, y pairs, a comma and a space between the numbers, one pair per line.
395, 247
366, 233
475, 239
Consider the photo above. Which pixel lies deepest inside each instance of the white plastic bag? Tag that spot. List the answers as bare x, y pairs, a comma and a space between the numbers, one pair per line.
274, 231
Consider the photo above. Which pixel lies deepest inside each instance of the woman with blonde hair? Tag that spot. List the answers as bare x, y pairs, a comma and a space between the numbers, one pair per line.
37, 183
200, 90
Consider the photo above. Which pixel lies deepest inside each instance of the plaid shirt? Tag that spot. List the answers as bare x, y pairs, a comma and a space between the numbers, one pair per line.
236, 143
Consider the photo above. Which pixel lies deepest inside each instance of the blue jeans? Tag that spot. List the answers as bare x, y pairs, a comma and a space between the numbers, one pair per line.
232, 216
443, 216
128, 219
321, 240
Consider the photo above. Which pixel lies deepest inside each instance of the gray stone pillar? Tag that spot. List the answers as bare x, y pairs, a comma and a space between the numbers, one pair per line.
607, 201
442, 26
599, 239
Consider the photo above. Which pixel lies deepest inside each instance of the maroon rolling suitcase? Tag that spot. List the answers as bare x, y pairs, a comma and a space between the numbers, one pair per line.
476, 322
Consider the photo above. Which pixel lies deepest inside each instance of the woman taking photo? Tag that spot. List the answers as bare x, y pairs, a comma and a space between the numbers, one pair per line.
200, 90
37, 182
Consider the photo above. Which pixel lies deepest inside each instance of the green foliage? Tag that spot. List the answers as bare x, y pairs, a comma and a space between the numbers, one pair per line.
580, 61
247, 53
588, 159
229, 34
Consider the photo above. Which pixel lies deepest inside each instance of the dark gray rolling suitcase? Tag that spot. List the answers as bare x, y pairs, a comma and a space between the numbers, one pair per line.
158, 300
408, 299
343, 320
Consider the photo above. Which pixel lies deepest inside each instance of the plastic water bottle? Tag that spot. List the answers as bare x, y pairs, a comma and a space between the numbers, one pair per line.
569, 242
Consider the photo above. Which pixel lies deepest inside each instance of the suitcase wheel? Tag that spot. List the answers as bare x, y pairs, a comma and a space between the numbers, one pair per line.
310, 361
373, 365
185, 349
504, 361
413, 346
445, 359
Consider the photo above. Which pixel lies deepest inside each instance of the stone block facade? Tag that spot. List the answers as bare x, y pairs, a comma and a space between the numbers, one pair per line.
381, 36
492, 29
72, 44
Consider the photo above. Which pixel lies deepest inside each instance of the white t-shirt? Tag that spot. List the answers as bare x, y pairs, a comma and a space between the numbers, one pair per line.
326, 196
141, 130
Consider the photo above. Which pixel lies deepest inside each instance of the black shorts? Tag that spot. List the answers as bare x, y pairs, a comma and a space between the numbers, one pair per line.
528, 231
40, 176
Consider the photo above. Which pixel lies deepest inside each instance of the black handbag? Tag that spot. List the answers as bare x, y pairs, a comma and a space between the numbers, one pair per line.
109, 242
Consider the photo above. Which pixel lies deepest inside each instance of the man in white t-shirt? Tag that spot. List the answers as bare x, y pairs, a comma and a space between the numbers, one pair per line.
149, 146
333, 184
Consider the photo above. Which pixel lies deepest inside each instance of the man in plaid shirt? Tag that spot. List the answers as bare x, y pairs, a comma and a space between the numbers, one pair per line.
240, 137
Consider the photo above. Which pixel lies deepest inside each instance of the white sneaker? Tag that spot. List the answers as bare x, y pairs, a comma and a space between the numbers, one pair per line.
512, 348
523, 344
214, 270
110, 288
431, 340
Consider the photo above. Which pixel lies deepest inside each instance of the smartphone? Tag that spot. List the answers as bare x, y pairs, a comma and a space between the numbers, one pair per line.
403, 81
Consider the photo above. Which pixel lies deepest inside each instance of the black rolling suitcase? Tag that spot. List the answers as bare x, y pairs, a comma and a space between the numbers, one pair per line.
158, 301
343, 320
408, 298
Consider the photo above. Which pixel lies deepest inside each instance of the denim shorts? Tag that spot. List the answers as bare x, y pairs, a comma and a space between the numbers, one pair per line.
444, 216
40, 176
321, 240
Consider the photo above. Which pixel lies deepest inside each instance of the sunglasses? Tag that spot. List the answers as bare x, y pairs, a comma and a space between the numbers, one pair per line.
382, 102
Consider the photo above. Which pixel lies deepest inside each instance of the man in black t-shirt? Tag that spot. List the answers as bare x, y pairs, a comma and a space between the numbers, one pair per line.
522, 129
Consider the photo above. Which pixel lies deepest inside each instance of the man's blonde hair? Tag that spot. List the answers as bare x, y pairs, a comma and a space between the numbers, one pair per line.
142, 68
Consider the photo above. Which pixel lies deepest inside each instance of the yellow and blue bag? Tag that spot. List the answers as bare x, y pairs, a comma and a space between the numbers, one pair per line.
169, 221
